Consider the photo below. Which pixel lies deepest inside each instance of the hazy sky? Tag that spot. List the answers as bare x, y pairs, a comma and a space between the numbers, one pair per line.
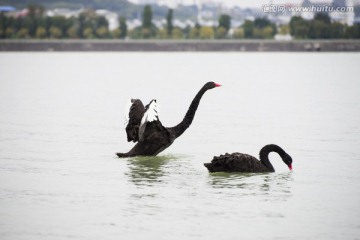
241, 3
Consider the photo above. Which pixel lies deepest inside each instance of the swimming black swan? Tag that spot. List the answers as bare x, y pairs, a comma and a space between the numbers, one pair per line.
240, 162
145, 128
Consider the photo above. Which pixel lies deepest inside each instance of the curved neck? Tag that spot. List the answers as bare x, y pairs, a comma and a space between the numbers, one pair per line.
264, 155
189, 116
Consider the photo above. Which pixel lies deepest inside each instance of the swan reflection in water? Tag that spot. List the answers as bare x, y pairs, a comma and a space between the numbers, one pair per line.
148, 170
268, 185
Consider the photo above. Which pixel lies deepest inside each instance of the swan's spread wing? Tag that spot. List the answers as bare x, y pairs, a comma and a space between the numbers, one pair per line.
150, 115
235, 162
133, 117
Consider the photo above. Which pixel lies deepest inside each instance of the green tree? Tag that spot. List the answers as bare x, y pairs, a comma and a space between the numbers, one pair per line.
261, 22
177, 33
23, 33
284, 29
206, 33
28, 23
9, 32
147, 17
88, 33
3, 21
322, 17
34, 19
169, 22
148, 28
221, 33
115, 33
101, 21
41, 22
225, 22
337, 30
72, 32
136, 33
299, 27
239, 33
248, 27
102, 32
40, 33
353, 32
81, 25
320, 27
146, 33
55, 32
89, 19
60, 23
162, 34
319, 30
123, 27
268, 32
195, 31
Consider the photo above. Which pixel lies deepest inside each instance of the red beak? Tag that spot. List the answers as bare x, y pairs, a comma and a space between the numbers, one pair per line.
290, 167
217, 85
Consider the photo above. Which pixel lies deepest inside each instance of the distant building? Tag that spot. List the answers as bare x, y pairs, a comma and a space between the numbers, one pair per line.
68, 13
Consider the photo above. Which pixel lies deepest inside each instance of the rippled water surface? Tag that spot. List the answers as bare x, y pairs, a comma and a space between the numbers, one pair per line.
61, 121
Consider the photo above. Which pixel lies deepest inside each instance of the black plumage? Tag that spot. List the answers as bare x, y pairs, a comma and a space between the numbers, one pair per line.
240, 162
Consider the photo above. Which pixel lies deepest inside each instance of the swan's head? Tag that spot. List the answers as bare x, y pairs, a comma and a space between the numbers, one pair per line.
288, 161
211, 85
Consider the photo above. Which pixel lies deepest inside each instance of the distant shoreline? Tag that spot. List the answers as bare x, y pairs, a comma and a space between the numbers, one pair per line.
180, 46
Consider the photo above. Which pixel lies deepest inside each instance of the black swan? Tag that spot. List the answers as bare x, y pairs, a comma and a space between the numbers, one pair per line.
145, 128
240, 162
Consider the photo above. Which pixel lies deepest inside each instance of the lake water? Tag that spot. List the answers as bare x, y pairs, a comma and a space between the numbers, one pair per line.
62, 121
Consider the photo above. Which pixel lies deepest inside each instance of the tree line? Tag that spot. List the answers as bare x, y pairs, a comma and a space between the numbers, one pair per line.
321, 27
88, 25
36, 25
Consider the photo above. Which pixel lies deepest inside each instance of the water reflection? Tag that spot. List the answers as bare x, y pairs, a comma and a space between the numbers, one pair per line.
272, 186
276, 181
148, 170
229, 180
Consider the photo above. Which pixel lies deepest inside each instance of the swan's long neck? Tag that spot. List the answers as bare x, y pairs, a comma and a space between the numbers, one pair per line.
264, 155
189, 116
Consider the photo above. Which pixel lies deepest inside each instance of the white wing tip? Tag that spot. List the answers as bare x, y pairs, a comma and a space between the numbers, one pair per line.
150, 115
152, 112
127, 110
